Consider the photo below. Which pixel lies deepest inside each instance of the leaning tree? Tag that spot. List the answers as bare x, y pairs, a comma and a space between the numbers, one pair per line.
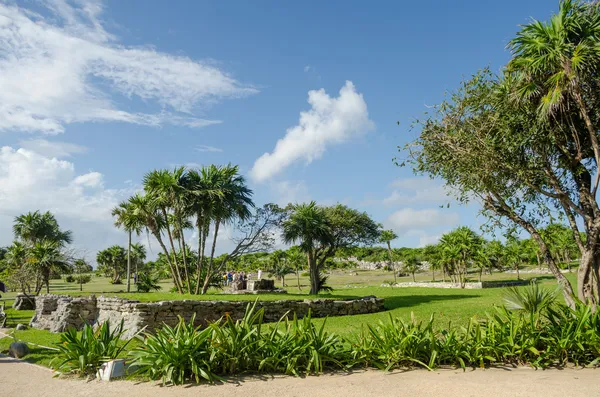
525, 143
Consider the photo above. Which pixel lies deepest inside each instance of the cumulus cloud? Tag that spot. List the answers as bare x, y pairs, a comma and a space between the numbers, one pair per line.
206, 148
408, 219
61, 66
330, 121
32, 181
52, 148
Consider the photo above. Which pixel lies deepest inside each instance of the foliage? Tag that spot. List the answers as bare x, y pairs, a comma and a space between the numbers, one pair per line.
175, 354
83, 353
147, 282
321, 231
78, 279
531, 299
112, 262
525, 143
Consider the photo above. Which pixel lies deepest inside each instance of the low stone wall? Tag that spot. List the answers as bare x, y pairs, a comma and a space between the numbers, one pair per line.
470, 285
24, 302
57, 313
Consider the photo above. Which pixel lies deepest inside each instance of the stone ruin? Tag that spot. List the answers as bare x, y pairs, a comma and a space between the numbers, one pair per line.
24, 302
57, 313
262, 286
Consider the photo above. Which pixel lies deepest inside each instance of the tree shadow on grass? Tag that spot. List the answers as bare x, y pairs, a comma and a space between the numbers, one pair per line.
394, 302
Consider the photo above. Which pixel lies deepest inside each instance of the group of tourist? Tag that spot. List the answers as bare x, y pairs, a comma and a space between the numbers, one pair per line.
233, 276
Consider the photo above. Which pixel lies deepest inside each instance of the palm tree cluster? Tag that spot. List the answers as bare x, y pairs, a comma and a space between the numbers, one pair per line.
114, 262
179, 200
38, 252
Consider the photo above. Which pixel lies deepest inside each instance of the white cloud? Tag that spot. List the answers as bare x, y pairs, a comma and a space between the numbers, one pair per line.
52, 148
63, 67
31, 181
408, 219
307, 68
330, 121
206, 148
416, 190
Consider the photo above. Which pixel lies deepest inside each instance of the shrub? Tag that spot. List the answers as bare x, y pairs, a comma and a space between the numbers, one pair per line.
70, 278
147, 283
84, 352
175, 354
81, 279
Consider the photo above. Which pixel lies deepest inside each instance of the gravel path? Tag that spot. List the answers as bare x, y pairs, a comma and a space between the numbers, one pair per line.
22, 379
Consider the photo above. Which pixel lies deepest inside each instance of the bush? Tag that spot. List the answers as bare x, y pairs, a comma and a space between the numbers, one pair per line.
83, 353
82, 279
175, 354
146, 283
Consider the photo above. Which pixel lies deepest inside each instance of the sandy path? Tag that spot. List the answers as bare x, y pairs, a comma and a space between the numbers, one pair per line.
21, 379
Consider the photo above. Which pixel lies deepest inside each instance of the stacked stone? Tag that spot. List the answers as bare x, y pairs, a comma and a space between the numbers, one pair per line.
24, 302
57, 313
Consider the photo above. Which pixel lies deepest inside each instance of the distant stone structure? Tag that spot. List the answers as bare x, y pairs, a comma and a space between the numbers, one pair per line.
24, 302
57, 313
469, 285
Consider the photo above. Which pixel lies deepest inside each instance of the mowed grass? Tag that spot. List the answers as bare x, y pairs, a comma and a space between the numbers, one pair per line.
449, 307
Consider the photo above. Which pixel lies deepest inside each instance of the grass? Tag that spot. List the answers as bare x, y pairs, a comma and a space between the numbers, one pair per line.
448, 306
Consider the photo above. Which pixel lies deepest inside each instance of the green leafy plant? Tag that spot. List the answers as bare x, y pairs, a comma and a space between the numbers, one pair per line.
147, 283
83, 353
176, 354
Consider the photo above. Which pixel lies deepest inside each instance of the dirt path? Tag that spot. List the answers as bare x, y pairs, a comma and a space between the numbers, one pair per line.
21, 379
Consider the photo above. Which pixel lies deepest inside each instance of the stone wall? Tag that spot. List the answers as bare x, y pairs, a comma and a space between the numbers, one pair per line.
469, 285
57, 313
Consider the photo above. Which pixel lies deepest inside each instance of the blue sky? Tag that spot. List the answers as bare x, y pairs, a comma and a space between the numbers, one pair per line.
94, 94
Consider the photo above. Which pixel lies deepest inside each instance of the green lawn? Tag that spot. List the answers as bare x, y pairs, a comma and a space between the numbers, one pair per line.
453, 306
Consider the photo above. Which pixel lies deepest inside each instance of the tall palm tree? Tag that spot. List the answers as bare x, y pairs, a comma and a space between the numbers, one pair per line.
233, 202
552, 60
308, 225
386, 237
151, 216
167, 191
33, 227
130, 221
47, 257
203, 189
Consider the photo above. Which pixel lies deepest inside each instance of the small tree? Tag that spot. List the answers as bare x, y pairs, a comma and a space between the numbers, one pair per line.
386, 237
411, 265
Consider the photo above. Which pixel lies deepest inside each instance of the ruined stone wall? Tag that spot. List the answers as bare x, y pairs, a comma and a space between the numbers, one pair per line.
57, 313
469, 285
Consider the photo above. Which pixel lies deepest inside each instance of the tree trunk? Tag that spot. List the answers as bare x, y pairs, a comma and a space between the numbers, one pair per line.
47, 279
175, 265
414, 280
480, 273
392, 264
166, 252
432, 274
298, 277
129, 263
185, 267
518, 274
201, 244
212, 256
314, 273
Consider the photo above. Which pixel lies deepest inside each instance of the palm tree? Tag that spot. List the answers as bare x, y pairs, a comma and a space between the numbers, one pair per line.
138, 256
16, 259
308, 225
111, 260
296, 259
145, 207
131, 222
432, 256
411, 264
47, 257
280, 266
167, 191
33, 227
386, 237
233, 202
552, 60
